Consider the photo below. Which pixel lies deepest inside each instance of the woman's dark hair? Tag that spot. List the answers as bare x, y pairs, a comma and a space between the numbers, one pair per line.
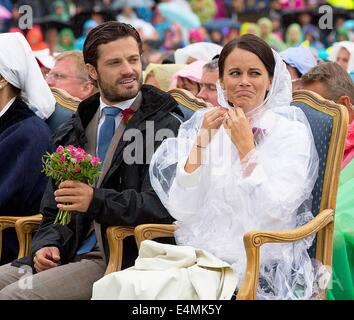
252, 44
105, 33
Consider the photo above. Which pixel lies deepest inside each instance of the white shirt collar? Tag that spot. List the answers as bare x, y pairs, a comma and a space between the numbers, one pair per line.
121, 105
8, 105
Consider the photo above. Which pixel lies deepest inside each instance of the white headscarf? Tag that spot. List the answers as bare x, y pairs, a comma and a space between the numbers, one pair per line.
347, 45
20, 68
200, 51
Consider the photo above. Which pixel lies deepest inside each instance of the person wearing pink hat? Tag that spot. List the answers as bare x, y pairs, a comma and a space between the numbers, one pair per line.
190, 77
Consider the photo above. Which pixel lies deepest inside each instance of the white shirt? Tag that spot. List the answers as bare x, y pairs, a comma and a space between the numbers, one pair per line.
121, 105
8, 105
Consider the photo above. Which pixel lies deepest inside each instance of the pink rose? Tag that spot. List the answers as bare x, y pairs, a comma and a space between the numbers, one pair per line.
60, 149
77, 169
79, 157
81, 151
95, 161
62, 159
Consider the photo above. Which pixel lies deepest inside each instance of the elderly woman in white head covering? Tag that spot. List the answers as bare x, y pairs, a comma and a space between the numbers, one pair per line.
24, 137
250, 164
343, 53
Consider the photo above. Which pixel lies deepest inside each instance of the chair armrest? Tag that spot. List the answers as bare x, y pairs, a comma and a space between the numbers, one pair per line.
24, 229
115, 236
255, 239
7, 222
151, 231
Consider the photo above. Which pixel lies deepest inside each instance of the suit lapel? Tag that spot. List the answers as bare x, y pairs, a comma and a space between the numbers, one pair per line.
91, 134
115, 150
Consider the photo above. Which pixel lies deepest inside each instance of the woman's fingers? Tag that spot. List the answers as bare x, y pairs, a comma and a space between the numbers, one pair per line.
214, 114
240, 113
236, 113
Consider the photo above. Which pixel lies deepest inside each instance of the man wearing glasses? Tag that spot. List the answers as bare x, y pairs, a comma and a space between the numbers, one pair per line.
69, 73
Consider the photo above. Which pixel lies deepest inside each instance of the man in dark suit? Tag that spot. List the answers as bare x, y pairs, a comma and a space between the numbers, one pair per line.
67, 259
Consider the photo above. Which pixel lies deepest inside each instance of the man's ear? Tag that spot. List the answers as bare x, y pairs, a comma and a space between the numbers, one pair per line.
88, 87
91, 70
344, 100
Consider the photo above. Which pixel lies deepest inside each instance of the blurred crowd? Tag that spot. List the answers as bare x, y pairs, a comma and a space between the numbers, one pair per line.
165, 26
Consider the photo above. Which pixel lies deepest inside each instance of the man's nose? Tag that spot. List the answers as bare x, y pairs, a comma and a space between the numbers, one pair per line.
202, 94
126, 68
50, 81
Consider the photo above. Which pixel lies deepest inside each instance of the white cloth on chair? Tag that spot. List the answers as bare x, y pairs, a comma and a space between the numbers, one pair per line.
165, 271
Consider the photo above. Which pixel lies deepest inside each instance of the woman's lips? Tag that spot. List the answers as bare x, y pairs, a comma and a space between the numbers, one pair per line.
244, 93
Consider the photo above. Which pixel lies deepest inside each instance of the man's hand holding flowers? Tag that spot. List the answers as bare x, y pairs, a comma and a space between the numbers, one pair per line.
73, 196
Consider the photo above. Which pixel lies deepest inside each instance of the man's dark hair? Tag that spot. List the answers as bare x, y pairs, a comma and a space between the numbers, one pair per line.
252, 44
106, 33
336, 80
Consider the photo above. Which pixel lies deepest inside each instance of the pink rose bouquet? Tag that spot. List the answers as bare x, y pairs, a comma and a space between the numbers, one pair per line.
70, 163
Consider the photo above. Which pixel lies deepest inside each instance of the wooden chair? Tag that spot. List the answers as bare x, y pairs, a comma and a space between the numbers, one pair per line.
329, 126
26, 226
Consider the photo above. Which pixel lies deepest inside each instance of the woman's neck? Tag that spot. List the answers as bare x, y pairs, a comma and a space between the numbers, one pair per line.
6, 94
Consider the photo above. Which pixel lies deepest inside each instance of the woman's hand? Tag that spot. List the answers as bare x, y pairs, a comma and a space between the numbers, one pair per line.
211, 123
239, 129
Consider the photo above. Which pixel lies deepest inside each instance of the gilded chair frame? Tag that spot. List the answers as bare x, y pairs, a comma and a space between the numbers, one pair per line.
322, 224
26, 226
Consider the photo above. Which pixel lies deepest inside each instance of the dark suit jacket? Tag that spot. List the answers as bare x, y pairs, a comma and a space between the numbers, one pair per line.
125, 197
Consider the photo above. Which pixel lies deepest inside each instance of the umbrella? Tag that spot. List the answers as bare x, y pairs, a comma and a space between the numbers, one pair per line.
349, 24
4, 13
220, 24
172, 11
119, 4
